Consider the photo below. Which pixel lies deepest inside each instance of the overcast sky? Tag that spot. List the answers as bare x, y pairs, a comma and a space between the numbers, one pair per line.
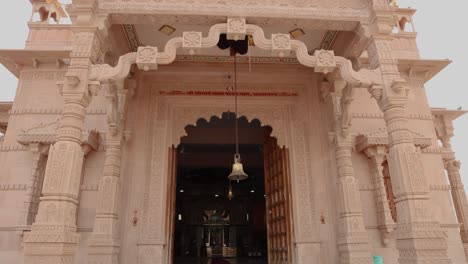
441, 34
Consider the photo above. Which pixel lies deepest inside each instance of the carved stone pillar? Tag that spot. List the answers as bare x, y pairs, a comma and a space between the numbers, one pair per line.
353, 241
443, 121
104, 242
459, 196
385, 221
419, 238
53, 238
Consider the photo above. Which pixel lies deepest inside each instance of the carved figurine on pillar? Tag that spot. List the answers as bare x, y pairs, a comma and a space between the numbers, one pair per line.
353, 240
419, 237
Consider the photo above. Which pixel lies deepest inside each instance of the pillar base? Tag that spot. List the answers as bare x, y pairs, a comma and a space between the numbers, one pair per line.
49, 246
354, 249
149, 253
465, 247
308, 252
103, 251
421, 243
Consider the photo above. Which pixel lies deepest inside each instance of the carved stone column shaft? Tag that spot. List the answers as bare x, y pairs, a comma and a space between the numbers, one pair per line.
53, 237
353, 240
459, 196
104, 242
385, 221
419, 238
31, 203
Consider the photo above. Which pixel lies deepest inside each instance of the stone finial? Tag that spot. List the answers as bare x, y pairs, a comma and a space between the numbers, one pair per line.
147, 58
325, 61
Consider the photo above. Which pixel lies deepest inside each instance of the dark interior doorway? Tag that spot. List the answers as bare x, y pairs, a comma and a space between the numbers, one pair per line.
208, 226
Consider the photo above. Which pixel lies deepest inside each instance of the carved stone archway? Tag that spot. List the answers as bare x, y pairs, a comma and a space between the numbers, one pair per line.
173, 114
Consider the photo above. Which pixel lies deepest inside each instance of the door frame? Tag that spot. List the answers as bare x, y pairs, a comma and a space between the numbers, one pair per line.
172, 113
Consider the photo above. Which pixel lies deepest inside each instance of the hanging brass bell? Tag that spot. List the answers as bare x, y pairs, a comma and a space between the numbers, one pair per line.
237, 173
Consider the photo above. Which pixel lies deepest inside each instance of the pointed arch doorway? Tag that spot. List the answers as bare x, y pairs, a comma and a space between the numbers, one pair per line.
255, 225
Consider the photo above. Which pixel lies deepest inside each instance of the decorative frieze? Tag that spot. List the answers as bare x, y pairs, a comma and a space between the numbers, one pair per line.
13, 187
367, 188
379, 115
6, 148
227, 93
224, 59
42, 75
440, 187
89, 187
51, 111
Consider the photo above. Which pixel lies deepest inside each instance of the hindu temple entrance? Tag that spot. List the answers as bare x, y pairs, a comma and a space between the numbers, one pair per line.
214, 219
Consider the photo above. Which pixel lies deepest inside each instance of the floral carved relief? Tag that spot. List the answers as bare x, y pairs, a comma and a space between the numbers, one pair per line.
147, 58
192, 40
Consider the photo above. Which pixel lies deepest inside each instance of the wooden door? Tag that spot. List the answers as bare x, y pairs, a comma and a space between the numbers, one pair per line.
278, 203
171, 203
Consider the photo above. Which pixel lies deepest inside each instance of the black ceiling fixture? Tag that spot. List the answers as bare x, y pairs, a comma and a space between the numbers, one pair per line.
236, 46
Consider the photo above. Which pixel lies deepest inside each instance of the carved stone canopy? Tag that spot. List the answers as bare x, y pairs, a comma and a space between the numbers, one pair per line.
380, 138
14, 60
148, 58
424, 69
